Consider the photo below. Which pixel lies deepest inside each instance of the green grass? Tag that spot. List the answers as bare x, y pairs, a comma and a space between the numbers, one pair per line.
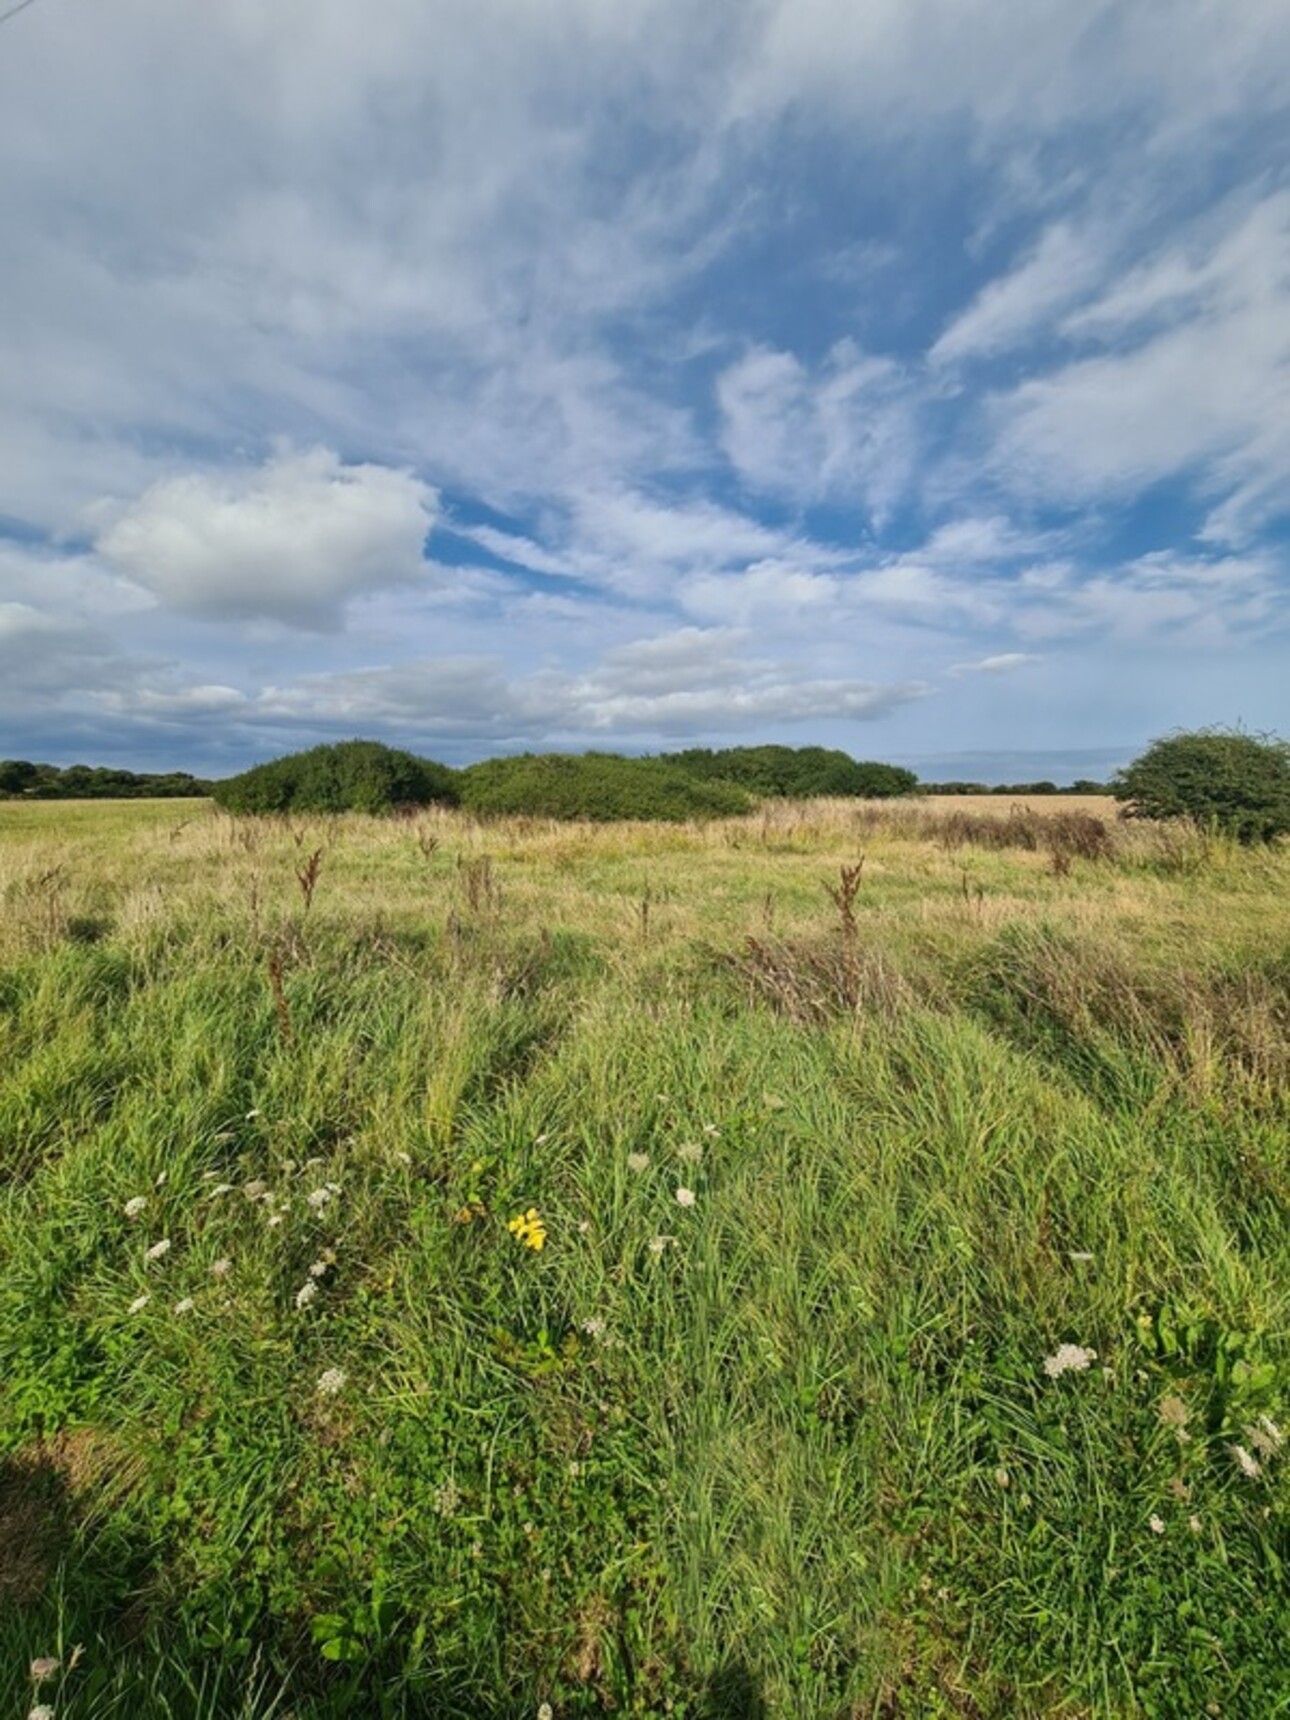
790, 1450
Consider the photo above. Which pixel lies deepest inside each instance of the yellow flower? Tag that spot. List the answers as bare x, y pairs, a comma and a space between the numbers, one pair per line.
528, 1228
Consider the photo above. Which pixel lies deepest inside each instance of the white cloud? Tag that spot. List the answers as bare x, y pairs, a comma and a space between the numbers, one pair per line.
849, 429
1002, 664
1064, 264
1198, 385
291, 541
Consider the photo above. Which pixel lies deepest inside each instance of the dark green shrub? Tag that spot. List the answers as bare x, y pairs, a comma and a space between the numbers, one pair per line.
353, 776
1221, 778
795, 773
599, 786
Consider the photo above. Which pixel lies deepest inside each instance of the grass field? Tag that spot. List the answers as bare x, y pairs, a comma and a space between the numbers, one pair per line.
527, 1269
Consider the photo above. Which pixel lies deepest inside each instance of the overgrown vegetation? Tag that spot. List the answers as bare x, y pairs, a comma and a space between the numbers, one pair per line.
20, 779
797, 1265
597, 786
795, 773
1225, 779
353, 776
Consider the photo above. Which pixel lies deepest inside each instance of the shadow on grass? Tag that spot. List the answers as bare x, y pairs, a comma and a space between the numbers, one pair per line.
732, 1693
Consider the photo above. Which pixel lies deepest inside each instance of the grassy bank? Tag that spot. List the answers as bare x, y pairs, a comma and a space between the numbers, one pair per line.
827, 1169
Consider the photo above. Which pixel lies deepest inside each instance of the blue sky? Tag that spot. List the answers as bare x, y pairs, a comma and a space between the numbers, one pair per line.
911, 377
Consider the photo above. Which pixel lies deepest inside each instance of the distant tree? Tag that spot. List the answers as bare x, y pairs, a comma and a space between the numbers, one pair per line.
798, 773
601, 786
352, 776
1224, 778
16, 775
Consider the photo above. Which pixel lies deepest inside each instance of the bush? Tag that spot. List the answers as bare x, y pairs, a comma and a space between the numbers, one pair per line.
1221, 778
794, 772
354, 776
599, 786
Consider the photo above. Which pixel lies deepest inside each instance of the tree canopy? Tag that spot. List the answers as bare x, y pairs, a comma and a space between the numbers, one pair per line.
1224, 778
351, 776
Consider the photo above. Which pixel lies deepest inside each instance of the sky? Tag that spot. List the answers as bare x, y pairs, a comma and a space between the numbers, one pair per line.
910, 377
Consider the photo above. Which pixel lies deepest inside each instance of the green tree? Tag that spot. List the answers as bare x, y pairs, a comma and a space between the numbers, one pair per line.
353, 776
1223, 778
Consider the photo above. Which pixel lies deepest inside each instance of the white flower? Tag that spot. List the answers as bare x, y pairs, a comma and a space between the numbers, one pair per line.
185, 1306
1068, 1358
221, 1268
685, 1197
690, 1151
158, 1249
1002, 1478
306, 1294
545, 1712
659, 1243
711, 1129
319, 1198
541, 1140
275, 1221
135, 1206
161, 1179
221, 1188
139, 1304
42, 1711
595, 1327
255, 1189
43, 1668
251, 1114
638, 1161
1156, 1524
319, 1268
1194, 1524
331, 1381
402, 1157
1248, 1465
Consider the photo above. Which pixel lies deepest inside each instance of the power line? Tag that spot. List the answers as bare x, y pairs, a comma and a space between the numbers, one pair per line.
14, 10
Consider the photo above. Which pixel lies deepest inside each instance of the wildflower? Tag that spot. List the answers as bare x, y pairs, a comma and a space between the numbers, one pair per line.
135, 1206
139, 1304
185, 1305
545, 1712
1194, 1524
255, 1189
1174, 1413
221, 1268
319, 1198
595, 1327
320, 1266
331, 1381
659, 1243
447, 1498
275, 1220
1068, 1358
306, 1294
1156, 1524
1002, 1478
1080, 1254
690, 1151
638, 1162
158, 1249
403, 1158
528, 1228
42, 1711
1245, 1463
685, 1197
711, 1129
541, 1140
161, 1179
44, 1668
584, 1227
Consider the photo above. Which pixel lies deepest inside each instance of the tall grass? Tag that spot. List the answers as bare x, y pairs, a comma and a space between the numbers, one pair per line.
764, 1427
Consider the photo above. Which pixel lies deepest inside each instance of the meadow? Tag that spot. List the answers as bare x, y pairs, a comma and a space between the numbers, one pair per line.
832, 1262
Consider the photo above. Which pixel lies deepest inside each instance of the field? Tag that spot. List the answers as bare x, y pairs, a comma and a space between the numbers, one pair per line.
509, 1270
